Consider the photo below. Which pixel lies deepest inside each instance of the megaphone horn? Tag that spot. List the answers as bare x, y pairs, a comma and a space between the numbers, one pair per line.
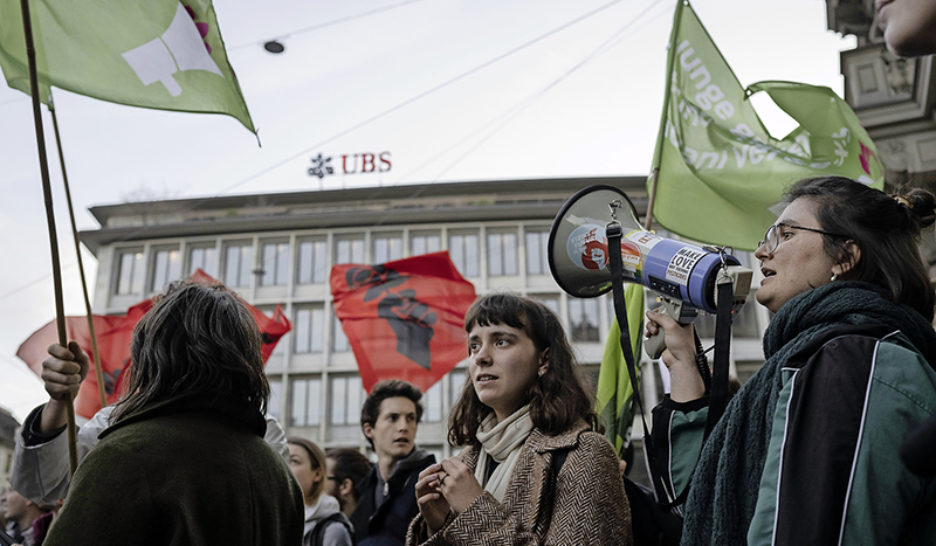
578, 252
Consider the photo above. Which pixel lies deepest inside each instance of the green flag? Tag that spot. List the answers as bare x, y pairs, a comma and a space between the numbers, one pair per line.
615, 397
719, 168
155, 54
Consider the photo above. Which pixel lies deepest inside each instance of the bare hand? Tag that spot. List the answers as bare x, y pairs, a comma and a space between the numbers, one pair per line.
458, 485
64, 370
679, 357
432, 504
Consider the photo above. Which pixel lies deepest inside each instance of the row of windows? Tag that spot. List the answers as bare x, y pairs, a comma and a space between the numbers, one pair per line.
309, 335
236, 263
345, 398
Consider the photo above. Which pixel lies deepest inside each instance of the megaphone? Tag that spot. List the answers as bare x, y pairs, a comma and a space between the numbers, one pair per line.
684, 275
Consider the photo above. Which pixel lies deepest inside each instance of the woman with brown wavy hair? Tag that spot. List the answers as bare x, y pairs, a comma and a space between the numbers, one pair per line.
534, 471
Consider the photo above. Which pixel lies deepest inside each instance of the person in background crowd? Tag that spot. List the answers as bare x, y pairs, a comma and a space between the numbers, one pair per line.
325, 524
806, 451
346, 468
535, 470
386, 496
909, 26
20, 513
184, 461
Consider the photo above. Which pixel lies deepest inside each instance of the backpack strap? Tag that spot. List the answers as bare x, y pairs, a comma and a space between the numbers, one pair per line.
318, 534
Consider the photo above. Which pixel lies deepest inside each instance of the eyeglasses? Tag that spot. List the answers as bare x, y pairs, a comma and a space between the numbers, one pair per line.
772, 237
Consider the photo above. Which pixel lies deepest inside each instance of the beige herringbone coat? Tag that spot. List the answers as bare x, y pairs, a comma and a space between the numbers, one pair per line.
590, 507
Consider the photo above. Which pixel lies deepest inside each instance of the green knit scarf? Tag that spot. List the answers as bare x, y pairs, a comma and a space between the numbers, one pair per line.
724, 487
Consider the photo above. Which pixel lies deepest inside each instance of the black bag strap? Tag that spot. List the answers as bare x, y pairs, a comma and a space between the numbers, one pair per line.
719, 380
555, 465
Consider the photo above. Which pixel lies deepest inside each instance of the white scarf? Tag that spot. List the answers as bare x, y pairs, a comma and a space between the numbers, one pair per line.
501, 442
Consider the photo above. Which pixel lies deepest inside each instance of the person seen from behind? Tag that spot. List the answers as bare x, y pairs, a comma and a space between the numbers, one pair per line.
183, 461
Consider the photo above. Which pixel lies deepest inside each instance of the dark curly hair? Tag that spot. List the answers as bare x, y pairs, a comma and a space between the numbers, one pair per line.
886, 229
558, 400
197, 339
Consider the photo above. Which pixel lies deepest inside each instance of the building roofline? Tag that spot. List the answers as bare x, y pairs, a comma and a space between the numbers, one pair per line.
362, 207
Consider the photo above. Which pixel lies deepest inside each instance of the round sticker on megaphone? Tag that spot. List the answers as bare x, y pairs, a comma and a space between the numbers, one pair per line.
587, 247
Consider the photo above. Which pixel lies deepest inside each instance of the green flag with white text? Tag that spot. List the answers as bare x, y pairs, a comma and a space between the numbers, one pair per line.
719, 168
615, 394
161, 54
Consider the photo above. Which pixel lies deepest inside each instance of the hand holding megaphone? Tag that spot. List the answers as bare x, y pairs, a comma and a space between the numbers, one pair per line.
684, 276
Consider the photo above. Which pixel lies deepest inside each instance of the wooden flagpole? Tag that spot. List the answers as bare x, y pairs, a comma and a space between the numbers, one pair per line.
98, 373
50, 218
661, 134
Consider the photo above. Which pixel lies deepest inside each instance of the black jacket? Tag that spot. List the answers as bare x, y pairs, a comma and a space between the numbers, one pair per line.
386, 524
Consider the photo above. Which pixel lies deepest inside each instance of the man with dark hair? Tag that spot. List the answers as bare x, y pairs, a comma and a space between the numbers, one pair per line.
387, 494
345, 468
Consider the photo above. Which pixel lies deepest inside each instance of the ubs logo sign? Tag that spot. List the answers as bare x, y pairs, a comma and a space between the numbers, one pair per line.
357, 163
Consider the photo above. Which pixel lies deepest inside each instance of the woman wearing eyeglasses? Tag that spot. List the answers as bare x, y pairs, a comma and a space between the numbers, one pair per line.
807, 450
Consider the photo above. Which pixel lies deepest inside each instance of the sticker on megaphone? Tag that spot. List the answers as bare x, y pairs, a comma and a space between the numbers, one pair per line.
587, 247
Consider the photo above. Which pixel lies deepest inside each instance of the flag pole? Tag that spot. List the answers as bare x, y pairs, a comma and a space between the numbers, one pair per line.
96, 360
661, 134
50, 219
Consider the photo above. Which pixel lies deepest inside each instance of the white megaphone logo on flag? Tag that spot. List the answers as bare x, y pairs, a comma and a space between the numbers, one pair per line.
179, 48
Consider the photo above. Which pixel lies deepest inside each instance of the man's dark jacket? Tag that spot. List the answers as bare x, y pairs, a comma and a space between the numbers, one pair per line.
386, 524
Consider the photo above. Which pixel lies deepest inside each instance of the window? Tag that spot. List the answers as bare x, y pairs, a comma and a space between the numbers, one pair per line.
349, 250
583, 319
129, 272
276, 398
463, 248
424, 243
550, 301
238, 264
275, 270
387, 247
432, 404
167, 267
313, 261
339, 340
502, 254
203, 257
306, 394
457, 380
537, 242
309, 330
347, 398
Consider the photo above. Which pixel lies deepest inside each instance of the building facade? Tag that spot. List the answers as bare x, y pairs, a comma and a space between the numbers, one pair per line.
278, 249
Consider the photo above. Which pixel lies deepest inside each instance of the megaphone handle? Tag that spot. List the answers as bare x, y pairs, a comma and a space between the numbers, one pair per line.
655, 344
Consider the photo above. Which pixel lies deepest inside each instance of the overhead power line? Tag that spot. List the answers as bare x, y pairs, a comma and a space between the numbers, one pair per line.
422, 95
333, 22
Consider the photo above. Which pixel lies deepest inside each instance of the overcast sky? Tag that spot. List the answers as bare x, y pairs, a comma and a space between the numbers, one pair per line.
453, 90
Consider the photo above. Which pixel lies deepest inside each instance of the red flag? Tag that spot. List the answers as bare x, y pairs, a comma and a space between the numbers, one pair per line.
403, 319
113, 339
